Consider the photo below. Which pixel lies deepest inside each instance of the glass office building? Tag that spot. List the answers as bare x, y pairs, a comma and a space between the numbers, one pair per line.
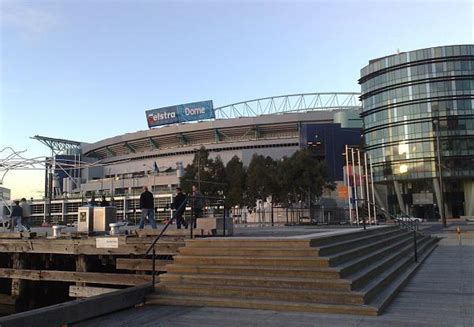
418, 114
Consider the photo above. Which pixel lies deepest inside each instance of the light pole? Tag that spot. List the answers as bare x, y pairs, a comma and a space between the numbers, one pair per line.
154, 175
440, 173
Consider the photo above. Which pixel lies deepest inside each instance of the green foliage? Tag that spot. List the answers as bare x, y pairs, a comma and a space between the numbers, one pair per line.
262, 177
236, 181
302, 176
299, 177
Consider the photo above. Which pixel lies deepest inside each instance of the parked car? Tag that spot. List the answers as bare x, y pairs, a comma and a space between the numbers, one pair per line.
408, 218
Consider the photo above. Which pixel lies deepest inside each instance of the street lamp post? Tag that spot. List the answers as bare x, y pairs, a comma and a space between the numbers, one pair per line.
440, 173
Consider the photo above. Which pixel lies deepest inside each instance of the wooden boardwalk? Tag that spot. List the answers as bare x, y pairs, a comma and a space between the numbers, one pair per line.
440, 294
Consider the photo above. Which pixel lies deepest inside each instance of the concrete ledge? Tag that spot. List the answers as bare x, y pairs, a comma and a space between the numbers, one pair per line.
79, 310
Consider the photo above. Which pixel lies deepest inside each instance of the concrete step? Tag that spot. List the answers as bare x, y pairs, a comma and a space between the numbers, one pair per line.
369, 273
369, 247
337, 247
377, 285
248, 243
359, 263
226, 302
350, 235
267, 271
248, 251
258, 281
279, 294
251, 261
383, 298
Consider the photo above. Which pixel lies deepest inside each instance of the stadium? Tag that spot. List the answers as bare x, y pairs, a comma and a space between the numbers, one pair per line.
120, 166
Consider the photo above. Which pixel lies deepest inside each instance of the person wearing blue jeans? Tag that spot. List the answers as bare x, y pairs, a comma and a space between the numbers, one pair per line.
147, 204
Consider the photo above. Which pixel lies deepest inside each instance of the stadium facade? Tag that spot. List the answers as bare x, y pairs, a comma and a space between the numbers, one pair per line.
418, 113
275, 126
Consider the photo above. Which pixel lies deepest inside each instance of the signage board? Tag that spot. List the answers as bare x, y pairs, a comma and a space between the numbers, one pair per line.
107, 243
423, 198
343, 192
180, 113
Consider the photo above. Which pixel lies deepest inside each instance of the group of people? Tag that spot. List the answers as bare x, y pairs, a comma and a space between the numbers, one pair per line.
103, 201
147, 205
20, 215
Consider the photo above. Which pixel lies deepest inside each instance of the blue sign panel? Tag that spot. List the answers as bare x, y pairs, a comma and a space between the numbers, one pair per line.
162, 116
180, 113
195, 111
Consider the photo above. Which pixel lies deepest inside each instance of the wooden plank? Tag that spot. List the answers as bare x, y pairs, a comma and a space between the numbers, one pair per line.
141, 264
138, 249
75, 277
82, 246
17, 284
150, 239
81, 266
78, 310
87, 291
6, 299
156, 232
17, 235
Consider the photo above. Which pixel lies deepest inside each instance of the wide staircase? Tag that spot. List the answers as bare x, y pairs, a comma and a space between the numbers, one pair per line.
356, 272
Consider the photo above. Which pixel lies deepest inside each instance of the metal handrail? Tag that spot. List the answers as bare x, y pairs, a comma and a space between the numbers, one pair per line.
182, 208
152, 246
409, 224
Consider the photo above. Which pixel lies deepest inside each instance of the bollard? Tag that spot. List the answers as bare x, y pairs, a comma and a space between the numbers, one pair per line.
458, 230
114, 228
57, 230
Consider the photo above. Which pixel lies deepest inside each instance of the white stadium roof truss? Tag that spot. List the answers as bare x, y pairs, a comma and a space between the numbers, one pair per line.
288, 104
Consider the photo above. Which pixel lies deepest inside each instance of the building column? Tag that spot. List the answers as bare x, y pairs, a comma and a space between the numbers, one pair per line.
468, 197
398, 192
380, 192
437, 190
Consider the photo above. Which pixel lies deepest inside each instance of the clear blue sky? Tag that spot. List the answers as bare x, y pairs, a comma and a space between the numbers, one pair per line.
87, 70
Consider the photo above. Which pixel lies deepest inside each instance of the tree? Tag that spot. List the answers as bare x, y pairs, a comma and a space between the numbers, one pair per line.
206, 173
302, 176
261, 178
236, 182
197, 171
217, 185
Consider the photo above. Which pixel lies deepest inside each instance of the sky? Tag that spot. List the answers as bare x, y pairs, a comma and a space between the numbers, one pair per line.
87, 70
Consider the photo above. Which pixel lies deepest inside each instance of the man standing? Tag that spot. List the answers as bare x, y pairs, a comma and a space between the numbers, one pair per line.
26, 213
198, 203
179, 205
104, 202
147, 204
15, 216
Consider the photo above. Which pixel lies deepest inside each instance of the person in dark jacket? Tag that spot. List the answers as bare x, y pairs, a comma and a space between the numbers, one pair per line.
147, 204
104, 202
17, 213
198, 204
179, 205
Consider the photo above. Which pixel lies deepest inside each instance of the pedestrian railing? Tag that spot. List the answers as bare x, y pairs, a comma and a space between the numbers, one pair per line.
214, 205
406, 222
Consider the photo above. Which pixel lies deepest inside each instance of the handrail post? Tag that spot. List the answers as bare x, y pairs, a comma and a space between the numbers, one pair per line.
192, 221
414, 247
153, 269
272, 215
223, 223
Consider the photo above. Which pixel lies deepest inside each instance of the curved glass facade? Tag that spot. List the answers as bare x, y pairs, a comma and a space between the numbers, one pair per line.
409, 100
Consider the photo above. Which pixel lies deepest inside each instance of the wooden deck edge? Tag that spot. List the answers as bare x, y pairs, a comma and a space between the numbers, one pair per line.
79, 310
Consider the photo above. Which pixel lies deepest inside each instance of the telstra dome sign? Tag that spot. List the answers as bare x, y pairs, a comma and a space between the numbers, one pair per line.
180, 113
